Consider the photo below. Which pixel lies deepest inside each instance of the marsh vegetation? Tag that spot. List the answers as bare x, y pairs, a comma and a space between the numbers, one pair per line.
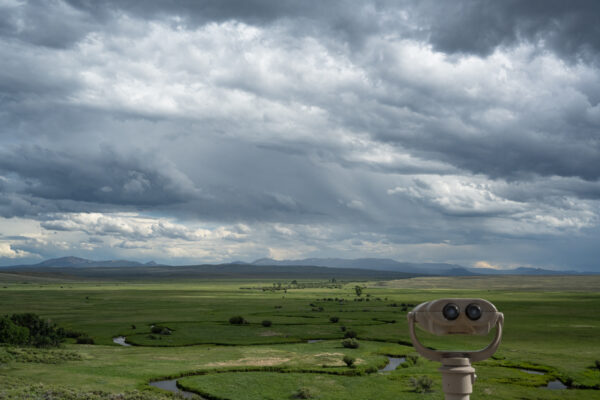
182, 330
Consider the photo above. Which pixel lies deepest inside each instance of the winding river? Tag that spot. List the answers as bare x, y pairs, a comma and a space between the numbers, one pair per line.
393, 363
171, 384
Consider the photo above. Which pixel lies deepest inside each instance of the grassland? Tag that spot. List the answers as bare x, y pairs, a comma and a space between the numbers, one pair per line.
551, 325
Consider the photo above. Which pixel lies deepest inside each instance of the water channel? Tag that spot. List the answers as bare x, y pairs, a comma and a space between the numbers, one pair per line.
171, 386
121, 340
553, 385
392, 364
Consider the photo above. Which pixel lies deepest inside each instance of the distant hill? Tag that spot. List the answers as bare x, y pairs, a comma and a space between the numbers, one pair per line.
77, 262
387, 264
223, 271
381, 264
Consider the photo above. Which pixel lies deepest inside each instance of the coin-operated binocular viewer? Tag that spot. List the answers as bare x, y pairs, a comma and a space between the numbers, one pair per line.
450, 317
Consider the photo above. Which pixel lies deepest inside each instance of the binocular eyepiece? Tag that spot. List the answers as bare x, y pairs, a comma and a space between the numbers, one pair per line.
451, 311
456, 316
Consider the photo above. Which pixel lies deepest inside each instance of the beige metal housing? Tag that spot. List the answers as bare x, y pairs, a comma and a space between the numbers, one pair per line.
458, 375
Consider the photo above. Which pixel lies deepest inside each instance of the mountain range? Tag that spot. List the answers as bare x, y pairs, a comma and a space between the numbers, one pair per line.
387, 264
77, 262
370, 264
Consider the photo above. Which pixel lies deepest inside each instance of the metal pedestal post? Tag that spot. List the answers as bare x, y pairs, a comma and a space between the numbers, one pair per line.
458, 377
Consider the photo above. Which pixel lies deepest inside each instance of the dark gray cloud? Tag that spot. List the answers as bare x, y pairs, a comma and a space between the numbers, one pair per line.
571, 28
45, 23
104, 178
344, 16
467, 26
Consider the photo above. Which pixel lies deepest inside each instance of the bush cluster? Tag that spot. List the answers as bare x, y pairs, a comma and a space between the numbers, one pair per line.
336, 299
334, 319
85, 340
303, 393
73, 334
30, 329
349, 334
160, 330
237, 320
266, 323
422, 384
349, 360
411, 360
350, 343
38, 356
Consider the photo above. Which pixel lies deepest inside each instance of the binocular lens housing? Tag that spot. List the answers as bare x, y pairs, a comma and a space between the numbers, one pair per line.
443, 316
473, 312
451, 311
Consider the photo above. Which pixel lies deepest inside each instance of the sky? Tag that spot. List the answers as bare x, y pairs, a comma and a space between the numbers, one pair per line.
214, 131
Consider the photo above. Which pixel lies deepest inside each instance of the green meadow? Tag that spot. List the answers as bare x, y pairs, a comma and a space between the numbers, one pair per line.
181, 329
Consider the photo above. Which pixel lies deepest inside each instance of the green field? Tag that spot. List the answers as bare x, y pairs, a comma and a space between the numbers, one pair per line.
552, 325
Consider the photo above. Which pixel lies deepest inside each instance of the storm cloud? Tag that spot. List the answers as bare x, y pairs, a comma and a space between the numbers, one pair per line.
207, 131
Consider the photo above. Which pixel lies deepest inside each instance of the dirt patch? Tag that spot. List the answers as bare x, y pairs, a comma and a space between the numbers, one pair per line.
260, 362
329, 355
330, 359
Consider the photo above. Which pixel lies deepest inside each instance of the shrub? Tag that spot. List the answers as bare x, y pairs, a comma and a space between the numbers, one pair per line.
303, 393
266, 323
11, 333
350, 334
412, 359
160, 330
85, 340
238, 320
598, 364
132, 326
349, 360
568, 382
343, 328
41, 333
350, 343
422, 384
73, 334
334, 319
